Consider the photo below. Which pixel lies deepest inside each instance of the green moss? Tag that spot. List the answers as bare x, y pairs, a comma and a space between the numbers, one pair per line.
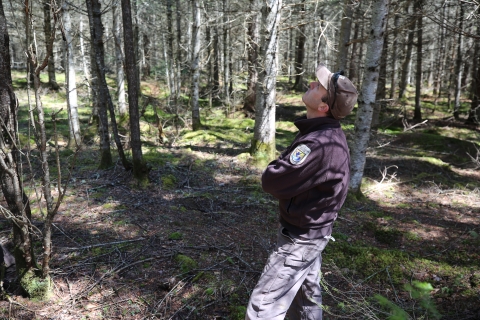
169, 182
175, 236
36, 287
185, 263
388, 236
237, 312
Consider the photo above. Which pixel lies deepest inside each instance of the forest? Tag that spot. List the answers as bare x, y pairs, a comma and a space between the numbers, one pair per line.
134, 135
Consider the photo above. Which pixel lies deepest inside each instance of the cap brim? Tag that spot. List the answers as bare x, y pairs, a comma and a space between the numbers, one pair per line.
323, 75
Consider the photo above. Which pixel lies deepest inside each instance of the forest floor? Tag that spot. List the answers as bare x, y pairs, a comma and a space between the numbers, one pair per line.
193, 244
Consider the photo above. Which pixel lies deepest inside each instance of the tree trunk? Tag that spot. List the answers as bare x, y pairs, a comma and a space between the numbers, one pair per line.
216, 62
122, 106
382, 82
474, 114
408, 56
418, 75
252, 51
393, 59
367, 94
345, 30
179, 48
226, 54
300, 54
75, 138
458, 64
139, 166
11, 183
263, 142
47, 29
86, 71
352, 74
171, 63
196, 44
147, 65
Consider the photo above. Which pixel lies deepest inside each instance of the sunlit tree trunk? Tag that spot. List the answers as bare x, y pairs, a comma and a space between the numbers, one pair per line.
263, 142
86, 70
122, 106
367, 94
226, 54
75, 138
196, 44
382, 82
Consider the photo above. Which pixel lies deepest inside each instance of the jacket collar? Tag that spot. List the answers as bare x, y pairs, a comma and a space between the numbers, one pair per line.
308, 125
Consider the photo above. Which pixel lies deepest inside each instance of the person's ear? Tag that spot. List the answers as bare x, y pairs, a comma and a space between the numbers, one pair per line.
324, 108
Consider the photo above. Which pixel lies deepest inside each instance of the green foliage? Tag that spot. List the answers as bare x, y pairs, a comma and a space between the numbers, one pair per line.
237, 312
185, 263
175, 236
169, 182
396, 313
420, 291
36, 287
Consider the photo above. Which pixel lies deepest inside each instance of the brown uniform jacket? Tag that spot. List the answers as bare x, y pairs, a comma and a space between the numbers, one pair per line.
311, 177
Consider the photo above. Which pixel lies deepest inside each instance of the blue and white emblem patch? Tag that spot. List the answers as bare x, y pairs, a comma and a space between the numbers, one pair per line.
299, 154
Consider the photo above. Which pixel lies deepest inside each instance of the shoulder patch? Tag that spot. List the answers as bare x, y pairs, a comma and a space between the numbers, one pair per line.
299, 154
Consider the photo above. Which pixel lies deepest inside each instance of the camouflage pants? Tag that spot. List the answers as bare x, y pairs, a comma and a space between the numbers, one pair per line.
290, 282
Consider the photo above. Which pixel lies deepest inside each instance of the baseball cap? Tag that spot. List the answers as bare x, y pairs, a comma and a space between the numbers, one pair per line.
342, 94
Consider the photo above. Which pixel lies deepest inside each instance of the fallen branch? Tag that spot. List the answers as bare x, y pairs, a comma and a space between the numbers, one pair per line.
100, 245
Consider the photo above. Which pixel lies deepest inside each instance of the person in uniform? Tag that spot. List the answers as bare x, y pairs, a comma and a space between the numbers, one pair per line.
310, 180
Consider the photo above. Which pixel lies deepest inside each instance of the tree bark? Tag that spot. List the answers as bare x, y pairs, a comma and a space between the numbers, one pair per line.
458, 64
300, 54
75, 138
418, 75
367, 94
122, 106
226, 54
47, 29
408, 56
196, 44
382, 82
474, 114
263, 142
139, 166
345, 30
393, 59
252, 52
11, 183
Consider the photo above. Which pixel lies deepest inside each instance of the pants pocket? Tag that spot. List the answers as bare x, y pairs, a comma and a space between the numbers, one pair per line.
276, 289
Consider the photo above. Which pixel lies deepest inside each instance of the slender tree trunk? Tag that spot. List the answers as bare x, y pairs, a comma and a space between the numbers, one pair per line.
382, 82
47, 28
216, 62
367, 95
263, 142
171, 63
196, 44
352, 74
122, 106
474, 114
252, 51
300, 54
393, 59
75, 138
139, 166
418, 75
147, 59
226, 54
345, 30
458, 64
179, 47
408, 57
86, 71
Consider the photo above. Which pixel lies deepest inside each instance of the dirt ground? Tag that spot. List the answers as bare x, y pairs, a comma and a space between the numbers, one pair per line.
193, 244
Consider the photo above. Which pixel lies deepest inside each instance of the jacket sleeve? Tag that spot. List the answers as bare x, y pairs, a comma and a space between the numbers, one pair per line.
287, 176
